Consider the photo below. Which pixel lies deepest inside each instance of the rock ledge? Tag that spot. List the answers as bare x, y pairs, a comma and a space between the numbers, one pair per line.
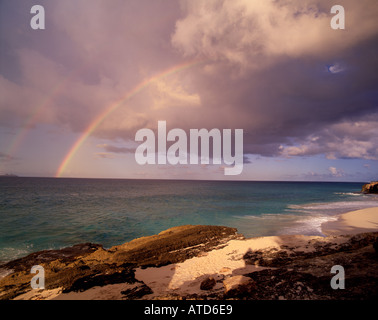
371, 187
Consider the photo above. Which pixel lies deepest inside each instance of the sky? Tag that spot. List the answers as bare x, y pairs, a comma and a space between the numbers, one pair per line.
73, 95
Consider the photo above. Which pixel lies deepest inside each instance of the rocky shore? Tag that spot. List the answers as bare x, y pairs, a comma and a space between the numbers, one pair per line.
84, 266
371, 187
202, 262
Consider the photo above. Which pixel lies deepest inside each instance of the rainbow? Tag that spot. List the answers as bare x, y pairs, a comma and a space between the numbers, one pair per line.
114, 106
33, 118
39, 110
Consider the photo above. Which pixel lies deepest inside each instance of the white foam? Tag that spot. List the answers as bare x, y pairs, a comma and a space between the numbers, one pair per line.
302, 219
355, 194
313, 224
9, 254
338, 205
267, 216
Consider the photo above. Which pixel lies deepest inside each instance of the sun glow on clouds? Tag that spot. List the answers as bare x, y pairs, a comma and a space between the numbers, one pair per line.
165, 95
260, 72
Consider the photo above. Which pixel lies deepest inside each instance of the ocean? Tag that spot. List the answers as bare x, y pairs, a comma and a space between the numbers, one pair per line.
49, 213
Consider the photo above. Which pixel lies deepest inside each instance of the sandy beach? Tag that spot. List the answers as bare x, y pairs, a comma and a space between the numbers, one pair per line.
359, 221
253, 268
186, 277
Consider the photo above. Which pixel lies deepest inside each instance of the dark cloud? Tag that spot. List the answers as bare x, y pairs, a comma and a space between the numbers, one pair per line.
291, 97
275, 69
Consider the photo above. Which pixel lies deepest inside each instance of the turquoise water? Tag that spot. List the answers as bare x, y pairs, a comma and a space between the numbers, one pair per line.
48, 213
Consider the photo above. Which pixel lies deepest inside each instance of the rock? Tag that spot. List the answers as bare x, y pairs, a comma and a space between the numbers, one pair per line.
173, 245
238, 286
137, 292
208, 283
371, 187
64, 255
100, 276
84, 266
291, 274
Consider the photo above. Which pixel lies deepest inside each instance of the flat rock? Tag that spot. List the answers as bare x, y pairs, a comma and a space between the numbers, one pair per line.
238, 285
293, 270
64, 255
173, 245
84, 266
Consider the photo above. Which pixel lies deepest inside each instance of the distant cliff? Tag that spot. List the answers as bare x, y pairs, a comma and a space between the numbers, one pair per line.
371, 187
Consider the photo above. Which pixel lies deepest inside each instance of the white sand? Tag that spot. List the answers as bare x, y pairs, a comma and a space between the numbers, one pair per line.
185, 278
359, 221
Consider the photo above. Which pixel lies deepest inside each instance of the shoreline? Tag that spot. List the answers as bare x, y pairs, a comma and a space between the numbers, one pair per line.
209, 262
353, 222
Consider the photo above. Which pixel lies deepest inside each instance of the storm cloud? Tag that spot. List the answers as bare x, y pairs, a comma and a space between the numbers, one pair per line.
273, 68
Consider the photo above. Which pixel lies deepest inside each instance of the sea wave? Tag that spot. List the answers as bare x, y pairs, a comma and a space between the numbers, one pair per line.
303, 219
8, 254
355, 194
286, 223
336, 206
310, 225
266, 216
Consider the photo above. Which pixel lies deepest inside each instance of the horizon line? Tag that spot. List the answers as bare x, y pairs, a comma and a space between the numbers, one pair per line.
181, 179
